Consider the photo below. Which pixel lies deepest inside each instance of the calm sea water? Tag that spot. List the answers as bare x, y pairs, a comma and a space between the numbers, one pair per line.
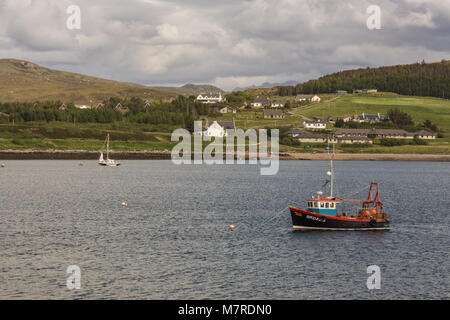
173, 241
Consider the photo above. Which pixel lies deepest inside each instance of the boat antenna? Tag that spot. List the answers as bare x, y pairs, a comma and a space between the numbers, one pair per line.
331, 172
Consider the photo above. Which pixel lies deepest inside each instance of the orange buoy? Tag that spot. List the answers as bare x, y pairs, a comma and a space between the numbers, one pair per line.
366, 213
231, 227
374, 212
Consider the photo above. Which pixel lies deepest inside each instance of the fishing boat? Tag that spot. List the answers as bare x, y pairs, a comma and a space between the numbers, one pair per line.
107, 162
324, 213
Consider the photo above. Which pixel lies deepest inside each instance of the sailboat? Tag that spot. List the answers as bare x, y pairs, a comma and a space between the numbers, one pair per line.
107, 162
322, 212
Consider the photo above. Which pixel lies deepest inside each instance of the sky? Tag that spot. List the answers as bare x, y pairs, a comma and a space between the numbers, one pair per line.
226, 43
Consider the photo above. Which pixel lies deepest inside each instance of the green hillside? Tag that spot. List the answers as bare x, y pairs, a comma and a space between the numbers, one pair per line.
420, 108
419, 79
26, 81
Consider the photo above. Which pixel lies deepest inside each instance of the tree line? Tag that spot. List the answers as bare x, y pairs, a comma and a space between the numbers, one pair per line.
420, 79
181, 111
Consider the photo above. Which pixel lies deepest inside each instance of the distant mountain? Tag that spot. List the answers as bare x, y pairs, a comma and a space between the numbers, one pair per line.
192, 89
25, 81
267, 85
418, 79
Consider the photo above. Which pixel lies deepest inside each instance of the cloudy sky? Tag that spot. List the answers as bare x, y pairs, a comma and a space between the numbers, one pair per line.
228, 43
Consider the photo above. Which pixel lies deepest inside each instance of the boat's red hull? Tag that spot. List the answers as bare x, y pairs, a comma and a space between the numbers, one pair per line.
305, 220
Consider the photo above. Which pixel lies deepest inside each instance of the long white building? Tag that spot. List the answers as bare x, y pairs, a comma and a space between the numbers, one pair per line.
210, 98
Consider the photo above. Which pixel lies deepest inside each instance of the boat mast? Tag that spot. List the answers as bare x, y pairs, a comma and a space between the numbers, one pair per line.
107, 147
331, 172
332, 178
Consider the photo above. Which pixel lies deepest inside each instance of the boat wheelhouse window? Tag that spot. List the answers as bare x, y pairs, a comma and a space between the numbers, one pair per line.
322, 205
327, 205
316, 204
332, 205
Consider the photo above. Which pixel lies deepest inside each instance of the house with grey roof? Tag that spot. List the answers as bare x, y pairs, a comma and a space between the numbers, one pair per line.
273, 114
260, 102
354, 139
315, 125
375, 133
218, 128
423, 134
303, 97
305, 136
277, 103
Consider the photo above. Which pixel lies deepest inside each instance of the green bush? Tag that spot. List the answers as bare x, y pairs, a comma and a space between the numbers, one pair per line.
17, 142
393, 142
355, 145
288, 141
419, 142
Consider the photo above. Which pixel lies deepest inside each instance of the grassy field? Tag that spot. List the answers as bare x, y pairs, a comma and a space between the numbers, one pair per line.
90, 137
139, 137
420, 108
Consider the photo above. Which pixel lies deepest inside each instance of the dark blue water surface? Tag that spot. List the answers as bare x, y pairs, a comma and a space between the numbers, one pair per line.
173, 241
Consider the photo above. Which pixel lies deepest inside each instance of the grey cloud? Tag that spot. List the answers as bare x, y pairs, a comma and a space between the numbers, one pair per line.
231, 43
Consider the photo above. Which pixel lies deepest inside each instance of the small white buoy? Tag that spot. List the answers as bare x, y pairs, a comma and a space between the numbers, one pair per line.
329, 173
124, 204
231, 227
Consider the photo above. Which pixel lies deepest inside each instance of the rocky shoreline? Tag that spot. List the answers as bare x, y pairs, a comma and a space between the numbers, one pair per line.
166, 155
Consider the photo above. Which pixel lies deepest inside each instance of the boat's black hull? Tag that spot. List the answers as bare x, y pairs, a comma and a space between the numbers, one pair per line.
304, 220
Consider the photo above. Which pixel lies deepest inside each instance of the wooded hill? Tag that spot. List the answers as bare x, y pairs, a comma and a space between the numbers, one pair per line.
419, 79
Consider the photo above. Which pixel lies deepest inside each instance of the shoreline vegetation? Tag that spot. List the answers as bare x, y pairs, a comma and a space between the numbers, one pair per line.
140, 122
166, 155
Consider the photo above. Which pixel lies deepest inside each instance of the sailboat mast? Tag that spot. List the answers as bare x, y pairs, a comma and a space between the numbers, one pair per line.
107, 147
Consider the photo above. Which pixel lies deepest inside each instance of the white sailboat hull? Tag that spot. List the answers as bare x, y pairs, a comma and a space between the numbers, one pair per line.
107, 162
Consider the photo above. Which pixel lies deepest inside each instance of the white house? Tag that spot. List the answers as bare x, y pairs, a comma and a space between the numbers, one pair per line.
82, 106
316, 98
303, 97
314, 125
218, 128
210, 98
260, 102
277, 104
227, 110
425, 135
